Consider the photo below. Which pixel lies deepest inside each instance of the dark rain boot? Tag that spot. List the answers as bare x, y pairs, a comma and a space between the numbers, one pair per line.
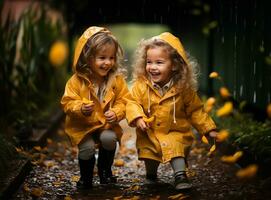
86, 172
105, 162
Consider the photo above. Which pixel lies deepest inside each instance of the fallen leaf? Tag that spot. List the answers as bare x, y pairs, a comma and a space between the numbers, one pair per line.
225, 110
222, 136
37, 192
233, 158
224, 92
177, 196
204, 140
248, 172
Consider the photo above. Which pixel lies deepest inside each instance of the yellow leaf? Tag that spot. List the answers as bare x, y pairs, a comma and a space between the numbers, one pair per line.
210, 101
268, 110
38, 148
224, 92
87, 101
213, 75
222, 135
248, 172
49, 141
226, 109
119, 163
148, 120
204, 140
67, 198
75, 178
37, 192
177, 196
117, 198
212, 149
233, 158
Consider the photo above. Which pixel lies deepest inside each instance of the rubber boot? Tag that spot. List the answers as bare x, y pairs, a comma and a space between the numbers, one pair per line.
86, 172
105, 162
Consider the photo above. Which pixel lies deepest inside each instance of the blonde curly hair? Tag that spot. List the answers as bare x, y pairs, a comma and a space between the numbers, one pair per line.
185, 75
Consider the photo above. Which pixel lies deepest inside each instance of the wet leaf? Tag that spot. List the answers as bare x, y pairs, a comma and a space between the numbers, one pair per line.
225, 110
233, 158
224, 92
213, 75
37, 148
118, 198
268, 110
37, 192
75, 178
177, 196
204, 139
212, 149
148, 120
222, 136
67, 198
87, 101
119, 162
248, 172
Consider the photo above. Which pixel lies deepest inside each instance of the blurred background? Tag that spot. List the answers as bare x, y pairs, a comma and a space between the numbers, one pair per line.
37, 40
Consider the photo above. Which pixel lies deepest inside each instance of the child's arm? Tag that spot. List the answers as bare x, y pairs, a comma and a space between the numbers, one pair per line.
196, 114
72, 102
122, 97
134, 109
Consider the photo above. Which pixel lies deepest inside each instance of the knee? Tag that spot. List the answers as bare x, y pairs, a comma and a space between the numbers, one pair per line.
108, 139
86, 153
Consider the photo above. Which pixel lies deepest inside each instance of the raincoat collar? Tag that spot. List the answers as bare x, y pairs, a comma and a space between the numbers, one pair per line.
173, 42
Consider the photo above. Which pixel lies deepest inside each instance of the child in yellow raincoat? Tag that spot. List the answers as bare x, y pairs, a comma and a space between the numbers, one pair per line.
94, 102
166, 106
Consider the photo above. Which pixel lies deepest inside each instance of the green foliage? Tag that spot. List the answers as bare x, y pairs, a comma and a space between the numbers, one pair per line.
28, 81
249, 135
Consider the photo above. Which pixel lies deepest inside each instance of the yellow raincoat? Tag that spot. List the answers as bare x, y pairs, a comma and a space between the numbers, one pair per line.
79, 86
170, 134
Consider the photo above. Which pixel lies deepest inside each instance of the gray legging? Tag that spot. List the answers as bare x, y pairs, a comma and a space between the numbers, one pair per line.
108, 139
177, 164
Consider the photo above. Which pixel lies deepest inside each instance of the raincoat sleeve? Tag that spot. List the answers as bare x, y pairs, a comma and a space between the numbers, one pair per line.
196, 114
134, 107
71, 101
122, 97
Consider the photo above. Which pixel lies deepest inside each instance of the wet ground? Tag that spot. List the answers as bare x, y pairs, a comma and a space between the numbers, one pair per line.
56, 171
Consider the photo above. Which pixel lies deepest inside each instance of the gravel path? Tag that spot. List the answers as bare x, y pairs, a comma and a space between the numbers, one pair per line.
55, 173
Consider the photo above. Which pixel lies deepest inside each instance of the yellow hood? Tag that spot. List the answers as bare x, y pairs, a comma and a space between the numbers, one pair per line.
84, 38
174, 42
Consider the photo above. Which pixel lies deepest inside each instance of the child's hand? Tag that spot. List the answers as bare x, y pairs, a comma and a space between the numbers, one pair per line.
110, 116
140, 123
213, 134
87, 109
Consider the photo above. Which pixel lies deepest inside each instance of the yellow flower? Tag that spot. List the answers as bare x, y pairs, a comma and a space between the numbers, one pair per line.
213, 75
268, 110
225, 109
58, 53
224, 92
222, 135
248, 172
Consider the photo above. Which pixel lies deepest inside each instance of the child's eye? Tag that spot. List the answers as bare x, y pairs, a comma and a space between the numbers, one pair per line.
148, 62
159, 62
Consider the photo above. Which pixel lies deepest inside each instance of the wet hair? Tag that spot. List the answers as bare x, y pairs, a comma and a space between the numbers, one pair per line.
94, 44
185, 75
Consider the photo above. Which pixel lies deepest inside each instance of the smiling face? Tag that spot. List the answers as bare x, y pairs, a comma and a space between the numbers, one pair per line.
103, 61
159, 65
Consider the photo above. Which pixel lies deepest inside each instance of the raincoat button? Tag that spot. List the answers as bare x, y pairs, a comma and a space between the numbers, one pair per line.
158, 124
103, 101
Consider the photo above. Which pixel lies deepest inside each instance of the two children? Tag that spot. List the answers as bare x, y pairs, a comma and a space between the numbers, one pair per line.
164, 105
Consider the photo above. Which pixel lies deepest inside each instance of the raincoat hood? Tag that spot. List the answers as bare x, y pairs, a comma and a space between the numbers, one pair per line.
173, 42
84, 38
